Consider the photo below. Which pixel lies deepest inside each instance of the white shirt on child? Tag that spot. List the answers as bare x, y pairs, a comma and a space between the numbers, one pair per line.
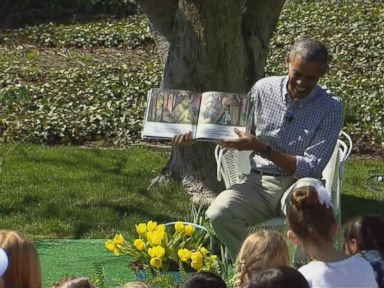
351, 272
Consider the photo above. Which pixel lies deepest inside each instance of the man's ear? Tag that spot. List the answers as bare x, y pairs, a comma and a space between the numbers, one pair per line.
292, 237
351, 247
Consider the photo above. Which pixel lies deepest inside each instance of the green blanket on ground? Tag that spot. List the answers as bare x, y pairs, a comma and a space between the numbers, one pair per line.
61, 258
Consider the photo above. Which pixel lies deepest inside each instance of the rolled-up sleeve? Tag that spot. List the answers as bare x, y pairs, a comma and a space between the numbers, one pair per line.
317, 155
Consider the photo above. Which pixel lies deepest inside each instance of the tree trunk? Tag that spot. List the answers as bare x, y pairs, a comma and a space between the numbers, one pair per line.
211, 45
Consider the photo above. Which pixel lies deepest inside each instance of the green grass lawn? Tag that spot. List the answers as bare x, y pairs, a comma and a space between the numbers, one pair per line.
356, 197
69, 192
51, 193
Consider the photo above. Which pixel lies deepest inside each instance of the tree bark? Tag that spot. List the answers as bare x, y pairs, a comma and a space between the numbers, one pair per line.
211, 45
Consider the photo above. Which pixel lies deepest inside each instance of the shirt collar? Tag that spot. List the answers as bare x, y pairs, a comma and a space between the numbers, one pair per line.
286, 95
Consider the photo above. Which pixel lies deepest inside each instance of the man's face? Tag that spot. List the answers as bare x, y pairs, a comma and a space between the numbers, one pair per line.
303, 76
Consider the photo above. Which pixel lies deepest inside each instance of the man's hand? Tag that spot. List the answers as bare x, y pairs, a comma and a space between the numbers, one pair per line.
183, 139
246, 141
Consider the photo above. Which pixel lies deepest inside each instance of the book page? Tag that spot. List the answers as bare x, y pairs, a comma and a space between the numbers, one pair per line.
170, 112
220, 113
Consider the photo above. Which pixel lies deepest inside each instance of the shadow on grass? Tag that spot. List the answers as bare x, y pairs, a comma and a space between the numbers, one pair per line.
352, 206
87, 224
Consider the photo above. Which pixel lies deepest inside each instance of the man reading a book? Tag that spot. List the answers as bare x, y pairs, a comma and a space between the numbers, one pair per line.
293, 133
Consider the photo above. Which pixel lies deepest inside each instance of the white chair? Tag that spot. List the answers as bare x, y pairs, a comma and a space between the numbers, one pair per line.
233, 166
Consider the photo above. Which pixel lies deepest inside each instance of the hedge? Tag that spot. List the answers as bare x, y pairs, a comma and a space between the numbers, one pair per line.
18, 13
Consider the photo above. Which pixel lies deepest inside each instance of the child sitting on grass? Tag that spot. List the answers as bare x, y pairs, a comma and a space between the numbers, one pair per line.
261, 250
75, 282
204, 280
24, 264
3, 265
136, 284
365, 235
312, 227
279, 277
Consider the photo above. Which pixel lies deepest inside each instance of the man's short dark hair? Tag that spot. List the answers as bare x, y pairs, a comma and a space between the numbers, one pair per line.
310, 50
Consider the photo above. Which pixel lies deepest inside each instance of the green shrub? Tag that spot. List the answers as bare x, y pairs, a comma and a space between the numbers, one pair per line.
100, 101
123, 33
18, 13
68, 94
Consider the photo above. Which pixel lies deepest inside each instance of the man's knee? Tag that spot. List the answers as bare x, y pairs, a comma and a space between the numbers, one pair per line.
218, 210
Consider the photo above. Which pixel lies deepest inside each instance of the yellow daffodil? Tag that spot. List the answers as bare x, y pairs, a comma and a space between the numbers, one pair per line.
141, 228
179, 227
110, 245
160, 227
116, 252
119, 239
203, 251
139, 244
184, 254
197, 257
157, 251
149, 236
155, 238
159, 236
151, 226
196, 265
156, 262
189, 230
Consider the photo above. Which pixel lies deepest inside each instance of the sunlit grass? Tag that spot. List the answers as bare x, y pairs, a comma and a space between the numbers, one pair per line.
357, 198
69, 192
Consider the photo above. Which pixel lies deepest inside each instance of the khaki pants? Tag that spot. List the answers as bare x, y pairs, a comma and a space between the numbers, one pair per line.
246, 204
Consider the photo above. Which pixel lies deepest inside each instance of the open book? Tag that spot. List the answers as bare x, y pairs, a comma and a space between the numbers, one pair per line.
208, 115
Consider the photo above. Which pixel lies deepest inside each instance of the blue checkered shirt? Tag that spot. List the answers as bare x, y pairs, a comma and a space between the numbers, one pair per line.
307, 128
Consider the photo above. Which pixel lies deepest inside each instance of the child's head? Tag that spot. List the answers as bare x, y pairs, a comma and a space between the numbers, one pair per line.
135, 285
310, 216
261, 250
24, 265
279, 277
204, 280
76, 282
364, 233
3, 265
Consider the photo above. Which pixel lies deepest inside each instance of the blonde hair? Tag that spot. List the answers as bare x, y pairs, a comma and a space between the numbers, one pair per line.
24, 265
135, 285
261, 250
